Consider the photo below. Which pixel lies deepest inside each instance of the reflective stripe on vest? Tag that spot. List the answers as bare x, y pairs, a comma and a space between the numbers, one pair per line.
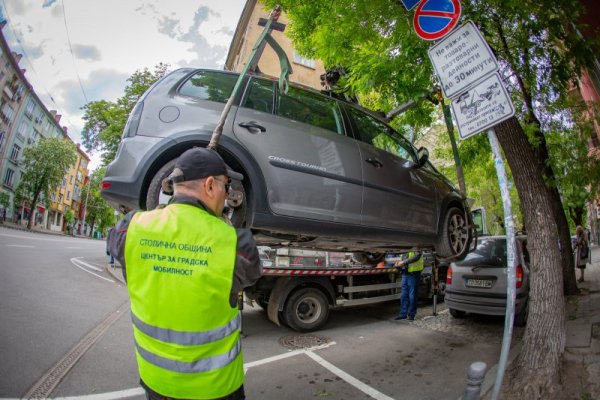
202, 365
187, 338
417, 265
180, 265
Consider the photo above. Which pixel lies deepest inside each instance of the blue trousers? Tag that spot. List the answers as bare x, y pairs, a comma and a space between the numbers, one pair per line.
410, 294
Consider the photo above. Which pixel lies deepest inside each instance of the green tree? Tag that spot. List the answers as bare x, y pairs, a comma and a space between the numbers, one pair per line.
541, 56
98, 213
40, 176
4, 202
105, 120
69, 218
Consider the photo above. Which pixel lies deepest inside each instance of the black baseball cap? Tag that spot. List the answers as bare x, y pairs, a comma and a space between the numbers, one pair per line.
198, 163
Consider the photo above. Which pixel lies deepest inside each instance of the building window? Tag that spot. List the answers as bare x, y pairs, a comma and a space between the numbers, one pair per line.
60, 198
71, 180
68, 195
307, 62
53, 196
14, 154
29, 108
2, 134
64, 183
7, 112
8, 177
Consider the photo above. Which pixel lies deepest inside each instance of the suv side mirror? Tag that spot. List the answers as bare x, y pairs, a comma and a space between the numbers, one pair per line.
422, 156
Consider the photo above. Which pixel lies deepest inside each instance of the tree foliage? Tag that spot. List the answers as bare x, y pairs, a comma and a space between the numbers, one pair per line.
98, 213
105, 120
41, 176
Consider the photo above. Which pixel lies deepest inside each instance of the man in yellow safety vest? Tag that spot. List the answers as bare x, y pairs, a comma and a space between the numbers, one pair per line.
411, 267
184, 268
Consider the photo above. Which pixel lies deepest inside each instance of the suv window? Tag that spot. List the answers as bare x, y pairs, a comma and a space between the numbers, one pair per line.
209, 85
260, 96
310, 108
379, 135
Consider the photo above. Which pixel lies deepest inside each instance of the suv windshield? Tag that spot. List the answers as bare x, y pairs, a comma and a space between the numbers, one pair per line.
489, 253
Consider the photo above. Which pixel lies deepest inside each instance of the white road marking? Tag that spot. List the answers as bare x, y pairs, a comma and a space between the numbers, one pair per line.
348, 378
121, 394
75, 261
20, 245
81, 262
67, 247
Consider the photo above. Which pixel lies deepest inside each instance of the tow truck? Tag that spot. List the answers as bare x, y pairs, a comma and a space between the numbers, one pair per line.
299, 287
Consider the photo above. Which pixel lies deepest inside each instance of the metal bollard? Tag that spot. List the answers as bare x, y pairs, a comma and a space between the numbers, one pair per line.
475, 376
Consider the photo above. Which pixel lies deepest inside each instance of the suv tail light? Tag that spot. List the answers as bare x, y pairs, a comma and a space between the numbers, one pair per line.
519, 275
449, 276
133, 122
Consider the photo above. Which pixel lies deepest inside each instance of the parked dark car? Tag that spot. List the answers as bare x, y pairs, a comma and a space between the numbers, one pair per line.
319, 172
478, 283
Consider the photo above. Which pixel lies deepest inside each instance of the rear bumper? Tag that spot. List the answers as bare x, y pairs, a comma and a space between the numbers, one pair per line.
482, 304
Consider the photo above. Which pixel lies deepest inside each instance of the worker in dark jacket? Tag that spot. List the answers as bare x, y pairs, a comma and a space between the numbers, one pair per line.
184, 269
411, 267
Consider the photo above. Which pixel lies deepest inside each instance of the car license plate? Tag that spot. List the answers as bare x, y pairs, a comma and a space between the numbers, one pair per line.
481, 283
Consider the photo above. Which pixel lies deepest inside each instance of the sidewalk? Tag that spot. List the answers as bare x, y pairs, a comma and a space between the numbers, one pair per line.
12, 225
583, 327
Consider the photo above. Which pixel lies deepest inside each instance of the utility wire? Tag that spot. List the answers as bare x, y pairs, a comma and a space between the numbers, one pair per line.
26, 57
71, 50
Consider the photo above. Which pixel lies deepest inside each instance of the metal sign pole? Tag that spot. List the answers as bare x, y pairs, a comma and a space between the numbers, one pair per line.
510, 258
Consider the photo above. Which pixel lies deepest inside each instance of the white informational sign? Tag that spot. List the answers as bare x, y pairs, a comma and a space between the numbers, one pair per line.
482, 107
461, 59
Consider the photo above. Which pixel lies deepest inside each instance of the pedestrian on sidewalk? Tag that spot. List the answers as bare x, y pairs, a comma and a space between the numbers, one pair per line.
184, 269
582, 251
411, 267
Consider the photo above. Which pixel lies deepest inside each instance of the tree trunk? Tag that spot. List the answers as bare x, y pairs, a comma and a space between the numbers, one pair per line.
566, 252
536, 372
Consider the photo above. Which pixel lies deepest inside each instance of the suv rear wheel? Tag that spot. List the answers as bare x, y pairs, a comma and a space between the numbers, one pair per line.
155, 196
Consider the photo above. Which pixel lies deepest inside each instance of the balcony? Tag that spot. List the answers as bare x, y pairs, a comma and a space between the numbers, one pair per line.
8, 92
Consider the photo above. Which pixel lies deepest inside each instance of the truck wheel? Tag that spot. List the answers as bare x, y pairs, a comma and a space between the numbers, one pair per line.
455, 237
306, 310
457, 313
155, 196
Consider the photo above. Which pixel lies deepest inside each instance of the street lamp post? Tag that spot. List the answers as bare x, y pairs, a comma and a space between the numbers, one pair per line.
87, 193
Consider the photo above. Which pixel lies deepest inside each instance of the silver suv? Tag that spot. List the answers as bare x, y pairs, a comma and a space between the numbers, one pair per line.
319, 172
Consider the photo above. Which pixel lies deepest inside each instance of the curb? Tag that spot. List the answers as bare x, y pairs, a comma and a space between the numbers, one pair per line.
115, 272
44, 231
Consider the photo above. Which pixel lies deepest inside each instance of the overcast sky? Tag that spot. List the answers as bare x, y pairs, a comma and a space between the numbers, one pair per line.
110, 40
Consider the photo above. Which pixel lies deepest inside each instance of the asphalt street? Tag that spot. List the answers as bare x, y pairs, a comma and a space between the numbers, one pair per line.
55, 294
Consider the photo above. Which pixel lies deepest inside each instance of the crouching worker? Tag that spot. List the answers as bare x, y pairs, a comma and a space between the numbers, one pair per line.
184, 267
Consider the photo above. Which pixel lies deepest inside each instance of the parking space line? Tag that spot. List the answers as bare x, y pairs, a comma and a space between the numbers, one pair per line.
20, 245
121, 394
283, 356
81, 262
348, 378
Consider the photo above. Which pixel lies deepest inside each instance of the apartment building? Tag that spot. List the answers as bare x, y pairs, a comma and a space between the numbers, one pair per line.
24, 120
306, 71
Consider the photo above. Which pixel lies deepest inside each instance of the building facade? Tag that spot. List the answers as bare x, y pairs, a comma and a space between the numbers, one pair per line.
24, 121
306, 71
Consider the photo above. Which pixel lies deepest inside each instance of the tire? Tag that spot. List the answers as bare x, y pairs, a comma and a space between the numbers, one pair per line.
457, 313
521, 318
455, 237
368, 258
306, 310
237, 202
155, 197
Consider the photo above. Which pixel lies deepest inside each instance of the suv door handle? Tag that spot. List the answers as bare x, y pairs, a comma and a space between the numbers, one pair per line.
252, 124
374, 162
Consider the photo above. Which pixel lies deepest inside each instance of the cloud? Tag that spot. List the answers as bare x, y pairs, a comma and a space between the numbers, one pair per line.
169, 26
48, 3
86, 52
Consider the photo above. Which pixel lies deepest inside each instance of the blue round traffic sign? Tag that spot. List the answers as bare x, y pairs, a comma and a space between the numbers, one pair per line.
435, 18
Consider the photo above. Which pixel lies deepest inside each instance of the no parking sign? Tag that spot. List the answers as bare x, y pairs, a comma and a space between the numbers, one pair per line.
434, 19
